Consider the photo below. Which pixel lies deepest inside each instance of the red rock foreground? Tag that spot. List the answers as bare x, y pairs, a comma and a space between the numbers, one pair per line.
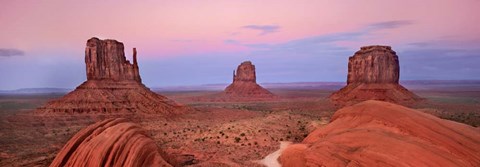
374, 133
113, 86
112, 142
373, 74
244, 86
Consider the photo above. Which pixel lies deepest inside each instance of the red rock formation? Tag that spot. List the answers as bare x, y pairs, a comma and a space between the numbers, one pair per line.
112, 142
105, 59
374, 64
244, 86
375, 133
113, 86
245, 73
373, 74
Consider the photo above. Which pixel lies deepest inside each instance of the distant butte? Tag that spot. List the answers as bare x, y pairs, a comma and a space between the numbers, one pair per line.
113, 85
373, 74
244, 85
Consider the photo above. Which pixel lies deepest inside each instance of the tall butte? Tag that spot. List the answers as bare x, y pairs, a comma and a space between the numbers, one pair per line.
373, 74
244, 86
113, 85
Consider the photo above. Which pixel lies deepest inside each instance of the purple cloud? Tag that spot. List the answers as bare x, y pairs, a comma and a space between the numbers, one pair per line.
264, 29
391, 24
8, 52
324, 43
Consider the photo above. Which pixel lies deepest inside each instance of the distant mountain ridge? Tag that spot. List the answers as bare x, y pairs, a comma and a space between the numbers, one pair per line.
411, 84
36, 91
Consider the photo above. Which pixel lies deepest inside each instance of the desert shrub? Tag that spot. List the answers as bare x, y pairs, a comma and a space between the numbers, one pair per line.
302, 128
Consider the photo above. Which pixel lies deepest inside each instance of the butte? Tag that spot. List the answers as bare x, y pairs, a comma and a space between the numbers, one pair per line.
373, 74
113, 85
244, 85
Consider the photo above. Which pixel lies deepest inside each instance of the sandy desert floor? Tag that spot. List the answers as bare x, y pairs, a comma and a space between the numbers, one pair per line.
215, 133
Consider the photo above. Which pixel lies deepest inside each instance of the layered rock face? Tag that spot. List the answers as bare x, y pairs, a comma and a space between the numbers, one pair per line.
105, 59
245, 73
245, 85
373, 74
375, 133
113, 86
374, 64
112, 142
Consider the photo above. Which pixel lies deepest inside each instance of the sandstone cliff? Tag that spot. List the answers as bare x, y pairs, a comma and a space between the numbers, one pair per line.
374, 64
105, 59
245, 73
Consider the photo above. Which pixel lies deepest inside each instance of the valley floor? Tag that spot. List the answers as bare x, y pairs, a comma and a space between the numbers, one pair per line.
215, 133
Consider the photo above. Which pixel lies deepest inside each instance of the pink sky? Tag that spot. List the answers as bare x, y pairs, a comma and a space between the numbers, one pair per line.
181, 28
174, 27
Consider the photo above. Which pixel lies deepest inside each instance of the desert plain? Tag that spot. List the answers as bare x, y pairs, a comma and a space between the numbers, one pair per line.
216, 133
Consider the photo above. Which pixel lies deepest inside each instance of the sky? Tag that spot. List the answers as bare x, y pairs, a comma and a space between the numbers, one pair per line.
196, 42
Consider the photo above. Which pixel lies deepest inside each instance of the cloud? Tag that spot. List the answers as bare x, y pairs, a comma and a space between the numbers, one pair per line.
322, 43
315, 45
436, 59
419, 44
182, 40
264, 29
305, 54
391, 24
8, 52
231, 41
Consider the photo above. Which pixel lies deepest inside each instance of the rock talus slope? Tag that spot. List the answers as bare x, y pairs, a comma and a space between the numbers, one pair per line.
376, 133
112, 142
